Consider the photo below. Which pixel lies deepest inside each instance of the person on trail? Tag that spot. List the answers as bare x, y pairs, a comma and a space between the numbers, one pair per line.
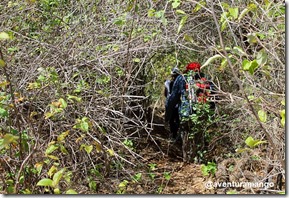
174, 120
178, 96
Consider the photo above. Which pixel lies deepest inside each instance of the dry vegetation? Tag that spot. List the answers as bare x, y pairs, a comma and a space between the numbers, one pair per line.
81, 93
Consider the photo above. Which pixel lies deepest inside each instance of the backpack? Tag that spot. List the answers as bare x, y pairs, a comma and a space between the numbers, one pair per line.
197, 90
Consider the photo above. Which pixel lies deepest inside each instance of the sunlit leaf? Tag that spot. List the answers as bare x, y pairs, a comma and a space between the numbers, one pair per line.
45, 182
234, 12
252, 38
243, 13
238, 50
57, 177
53, 157
211, 59
283, 117
88, 149
50, 149
63, 103
180, 12
52, 170
111, 152
136, 60
38, 167
4, 36
262, 115
71, 191
252, 143
176, 3
62, 136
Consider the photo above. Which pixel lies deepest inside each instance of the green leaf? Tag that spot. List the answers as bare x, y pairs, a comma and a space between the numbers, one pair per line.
45, 182
252, 38
241, 150
151, 12
246, 65
243, 13
188, 38
62, 136
63, 103
234, 12
167, 175
204, 170
9, 138
253, 66
211, 59
180, 12
262, 115
159, 14
52, 170
71, 191
250, 66
238, 50
262, 57
50, 149
119, 22
123, 184
4, 36
199, 6
57, 177
283, 117
88, 149
176, 3
136, 60
3, 112
2, 63
252, 143
182, 23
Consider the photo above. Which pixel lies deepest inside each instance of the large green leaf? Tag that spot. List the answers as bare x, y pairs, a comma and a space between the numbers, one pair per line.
253, 143
45, 182
50, 149
57, 177
234, 12
250, 66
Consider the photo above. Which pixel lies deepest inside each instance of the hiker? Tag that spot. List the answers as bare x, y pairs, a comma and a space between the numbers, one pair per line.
174, 120
194, 80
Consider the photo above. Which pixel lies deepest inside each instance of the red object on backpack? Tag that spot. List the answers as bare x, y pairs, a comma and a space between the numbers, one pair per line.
195, 66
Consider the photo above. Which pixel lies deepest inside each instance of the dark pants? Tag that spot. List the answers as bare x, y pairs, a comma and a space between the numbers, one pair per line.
174, 123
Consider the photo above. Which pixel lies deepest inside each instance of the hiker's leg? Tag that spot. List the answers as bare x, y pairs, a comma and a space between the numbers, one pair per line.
174, 123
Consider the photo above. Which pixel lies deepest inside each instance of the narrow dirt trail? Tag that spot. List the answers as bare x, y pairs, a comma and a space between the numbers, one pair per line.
185, 178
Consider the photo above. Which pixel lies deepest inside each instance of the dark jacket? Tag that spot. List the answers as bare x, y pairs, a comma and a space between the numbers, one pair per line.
175, 96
